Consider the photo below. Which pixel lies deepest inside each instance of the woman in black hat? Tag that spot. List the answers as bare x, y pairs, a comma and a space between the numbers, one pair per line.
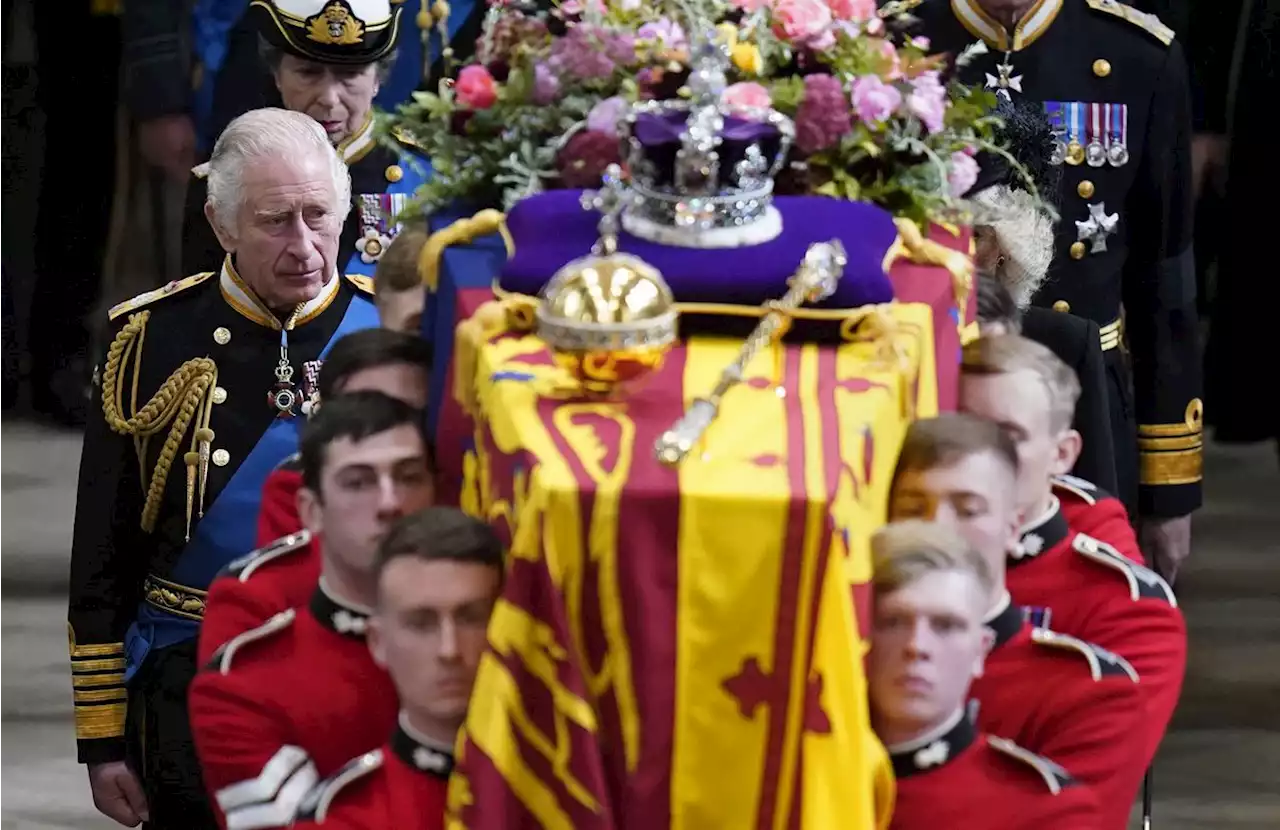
328, 59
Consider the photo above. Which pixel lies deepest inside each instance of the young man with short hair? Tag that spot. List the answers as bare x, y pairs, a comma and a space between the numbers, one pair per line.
289, 702
928, 644
1054, 694
1090, 585
282, 572
439, 574
398, 291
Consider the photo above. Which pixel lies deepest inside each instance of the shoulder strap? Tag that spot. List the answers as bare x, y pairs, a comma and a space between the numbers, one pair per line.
362, 283
244, 567
221, 661
315, 806
1087, 491
148, 297
1055, 777
1145, 21
1144, 583
1102, 663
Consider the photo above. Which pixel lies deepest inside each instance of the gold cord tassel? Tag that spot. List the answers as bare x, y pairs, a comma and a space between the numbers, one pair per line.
204, 442
192, 459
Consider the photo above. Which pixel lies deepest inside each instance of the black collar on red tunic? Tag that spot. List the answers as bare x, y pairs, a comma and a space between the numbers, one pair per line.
337, 616
420, 754
1006, 624
1047, 531
930, 753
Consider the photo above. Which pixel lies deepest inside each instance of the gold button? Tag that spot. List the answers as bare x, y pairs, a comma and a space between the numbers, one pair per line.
1077, 250
394, 173
1102, 67
221, 336
1062, 305
219, 395
1085, 189
221, 457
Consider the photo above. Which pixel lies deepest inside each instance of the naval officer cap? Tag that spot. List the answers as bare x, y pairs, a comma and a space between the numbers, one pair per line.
348, 32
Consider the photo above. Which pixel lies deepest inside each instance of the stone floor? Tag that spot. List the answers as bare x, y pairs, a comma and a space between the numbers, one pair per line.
1218, 770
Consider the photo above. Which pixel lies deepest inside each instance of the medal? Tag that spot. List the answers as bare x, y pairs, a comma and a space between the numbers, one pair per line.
1075, 127
1053, 109
1097, 228
1004, 82
283, 396
1095, 154
1118, 134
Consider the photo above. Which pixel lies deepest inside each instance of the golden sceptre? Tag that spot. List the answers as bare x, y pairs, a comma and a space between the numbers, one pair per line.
814, 281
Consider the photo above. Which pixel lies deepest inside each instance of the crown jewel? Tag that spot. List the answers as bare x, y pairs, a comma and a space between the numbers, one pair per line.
701, 170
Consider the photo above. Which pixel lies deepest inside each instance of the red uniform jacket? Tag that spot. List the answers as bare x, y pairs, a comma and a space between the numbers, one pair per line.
285, 704
1084, 585
964, 780
253, 589
278, 515
1089, 509
1070, 701
401, 786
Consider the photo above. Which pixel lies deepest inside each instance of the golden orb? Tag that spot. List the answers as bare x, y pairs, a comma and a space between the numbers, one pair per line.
609, 320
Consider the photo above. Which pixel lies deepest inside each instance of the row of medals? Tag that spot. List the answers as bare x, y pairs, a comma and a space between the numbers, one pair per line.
1093, 154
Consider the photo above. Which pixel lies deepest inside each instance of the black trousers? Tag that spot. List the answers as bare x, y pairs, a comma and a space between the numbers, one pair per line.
1124, 428
161, 747
78, 90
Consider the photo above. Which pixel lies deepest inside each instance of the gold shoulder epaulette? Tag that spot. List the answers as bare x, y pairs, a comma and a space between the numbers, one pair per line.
244, 567
201, 171
1144, 583
1055, 777
221, 661
406, 138
149, 297
1085, 490
1102, 663
362, 283
315, 806
1146, 21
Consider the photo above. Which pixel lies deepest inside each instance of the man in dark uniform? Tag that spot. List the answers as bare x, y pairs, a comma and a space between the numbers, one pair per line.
445, 567
329, 62
199, 389
928, 644
291, 701
1114, 84
282, 573
1054, 694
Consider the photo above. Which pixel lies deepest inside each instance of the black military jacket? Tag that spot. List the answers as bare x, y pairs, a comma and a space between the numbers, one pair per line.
1112, 77
210, 343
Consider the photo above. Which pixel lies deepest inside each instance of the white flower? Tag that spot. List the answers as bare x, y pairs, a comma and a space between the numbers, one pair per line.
371, 245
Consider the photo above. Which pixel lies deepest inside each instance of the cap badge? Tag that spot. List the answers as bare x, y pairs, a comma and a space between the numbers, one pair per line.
335, 25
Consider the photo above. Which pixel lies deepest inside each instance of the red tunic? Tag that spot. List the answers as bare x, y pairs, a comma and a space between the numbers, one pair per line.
963, 780
1084, 586
401, 786
253, 589
278, 515
1090, 509
284, 705
1070, 701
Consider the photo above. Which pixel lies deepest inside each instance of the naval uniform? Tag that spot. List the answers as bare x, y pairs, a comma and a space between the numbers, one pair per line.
1114, 84
964, 779
1068, 700
382, 180
169, 473
403, 785
278, 516
1081, 584
286, 704
253, 589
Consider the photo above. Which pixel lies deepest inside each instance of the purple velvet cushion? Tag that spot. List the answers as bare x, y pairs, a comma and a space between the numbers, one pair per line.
551, 229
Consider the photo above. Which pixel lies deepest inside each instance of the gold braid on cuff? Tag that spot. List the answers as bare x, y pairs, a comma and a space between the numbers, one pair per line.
1173, 453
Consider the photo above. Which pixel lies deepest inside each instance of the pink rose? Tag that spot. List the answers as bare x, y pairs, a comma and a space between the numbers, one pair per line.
475, 88
747, 95
606, 114
874, 101
800, 21
859, 10
928, 100
962, 173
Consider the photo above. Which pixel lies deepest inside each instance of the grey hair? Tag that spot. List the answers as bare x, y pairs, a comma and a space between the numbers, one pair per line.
272, 56
1024, 235
268, 133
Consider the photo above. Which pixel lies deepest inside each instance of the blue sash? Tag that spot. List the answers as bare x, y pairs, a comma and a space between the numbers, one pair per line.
415, 170
211, 24
229, 525
462, 266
